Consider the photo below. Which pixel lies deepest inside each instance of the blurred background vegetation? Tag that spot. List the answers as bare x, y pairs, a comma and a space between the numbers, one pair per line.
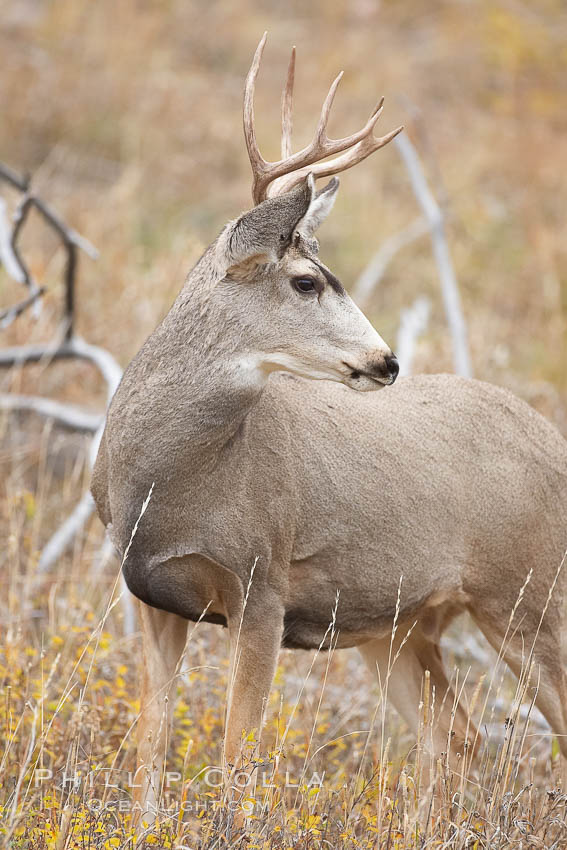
128, 114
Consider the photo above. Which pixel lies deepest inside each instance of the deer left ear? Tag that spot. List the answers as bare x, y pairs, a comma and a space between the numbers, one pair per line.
319, 207
246, 269
263, 234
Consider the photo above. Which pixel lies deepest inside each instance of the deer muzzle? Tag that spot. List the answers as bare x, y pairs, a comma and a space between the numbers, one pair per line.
376, 373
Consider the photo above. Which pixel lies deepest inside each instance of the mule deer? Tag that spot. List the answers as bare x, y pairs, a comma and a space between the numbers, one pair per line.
278, 479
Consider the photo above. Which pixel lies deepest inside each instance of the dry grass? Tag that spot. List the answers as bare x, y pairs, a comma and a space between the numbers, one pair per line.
128, 114
342, 771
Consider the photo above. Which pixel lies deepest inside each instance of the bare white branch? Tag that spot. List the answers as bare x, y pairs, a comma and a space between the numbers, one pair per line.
112, 373
74, 347
65, 414
60, 541
413, 322
7, 256
13, 260
66, 533
67, 346
102, 359
449, 286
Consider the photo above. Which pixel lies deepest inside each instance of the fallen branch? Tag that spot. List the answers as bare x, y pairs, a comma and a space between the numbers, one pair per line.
69, 348
16, 181
65, 414
9, 251
60, 541
449, 287
75, 347
15, 267
66, 533
8, 259
112, 373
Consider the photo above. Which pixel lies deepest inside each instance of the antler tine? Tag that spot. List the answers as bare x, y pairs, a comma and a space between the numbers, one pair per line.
353, 156
378, 108
257, 162
273, 178
287, 103
321, 137
346, 160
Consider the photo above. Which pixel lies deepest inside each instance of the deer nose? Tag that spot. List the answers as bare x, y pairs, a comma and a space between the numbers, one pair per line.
392, 366
384, 370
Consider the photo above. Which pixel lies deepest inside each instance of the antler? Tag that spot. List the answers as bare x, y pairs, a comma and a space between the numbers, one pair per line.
274, 178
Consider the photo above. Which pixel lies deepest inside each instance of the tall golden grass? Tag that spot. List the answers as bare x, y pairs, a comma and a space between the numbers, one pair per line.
340, 771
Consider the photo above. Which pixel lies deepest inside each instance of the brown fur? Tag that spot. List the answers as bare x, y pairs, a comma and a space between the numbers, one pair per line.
452, 487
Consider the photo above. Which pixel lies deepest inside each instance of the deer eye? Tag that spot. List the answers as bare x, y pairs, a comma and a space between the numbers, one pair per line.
304, 284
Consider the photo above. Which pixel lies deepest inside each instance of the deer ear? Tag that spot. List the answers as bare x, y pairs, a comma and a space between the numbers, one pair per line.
246, 269
319, 208
263, 234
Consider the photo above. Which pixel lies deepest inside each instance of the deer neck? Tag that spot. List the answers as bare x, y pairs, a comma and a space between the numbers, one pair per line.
211, 381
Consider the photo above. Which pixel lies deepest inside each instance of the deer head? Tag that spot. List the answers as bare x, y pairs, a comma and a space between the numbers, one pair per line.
293, 312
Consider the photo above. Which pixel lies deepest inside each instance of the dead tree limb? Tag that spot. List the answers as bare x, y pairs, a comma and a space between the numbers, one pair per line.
16, 181
9, 250
112, 373
67, 345
60, 541
449, 286
7, 257
413, 322
76, 347
433, 222
65, 414
71, 242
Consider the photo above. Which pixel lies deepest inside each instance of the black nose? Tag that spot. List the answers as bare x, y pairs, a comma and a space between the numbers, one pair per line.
393, 366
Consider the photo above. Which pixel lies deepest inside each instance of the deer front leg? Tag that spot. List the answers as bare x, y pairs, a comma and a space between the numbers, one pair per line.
255, 641
163, 643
